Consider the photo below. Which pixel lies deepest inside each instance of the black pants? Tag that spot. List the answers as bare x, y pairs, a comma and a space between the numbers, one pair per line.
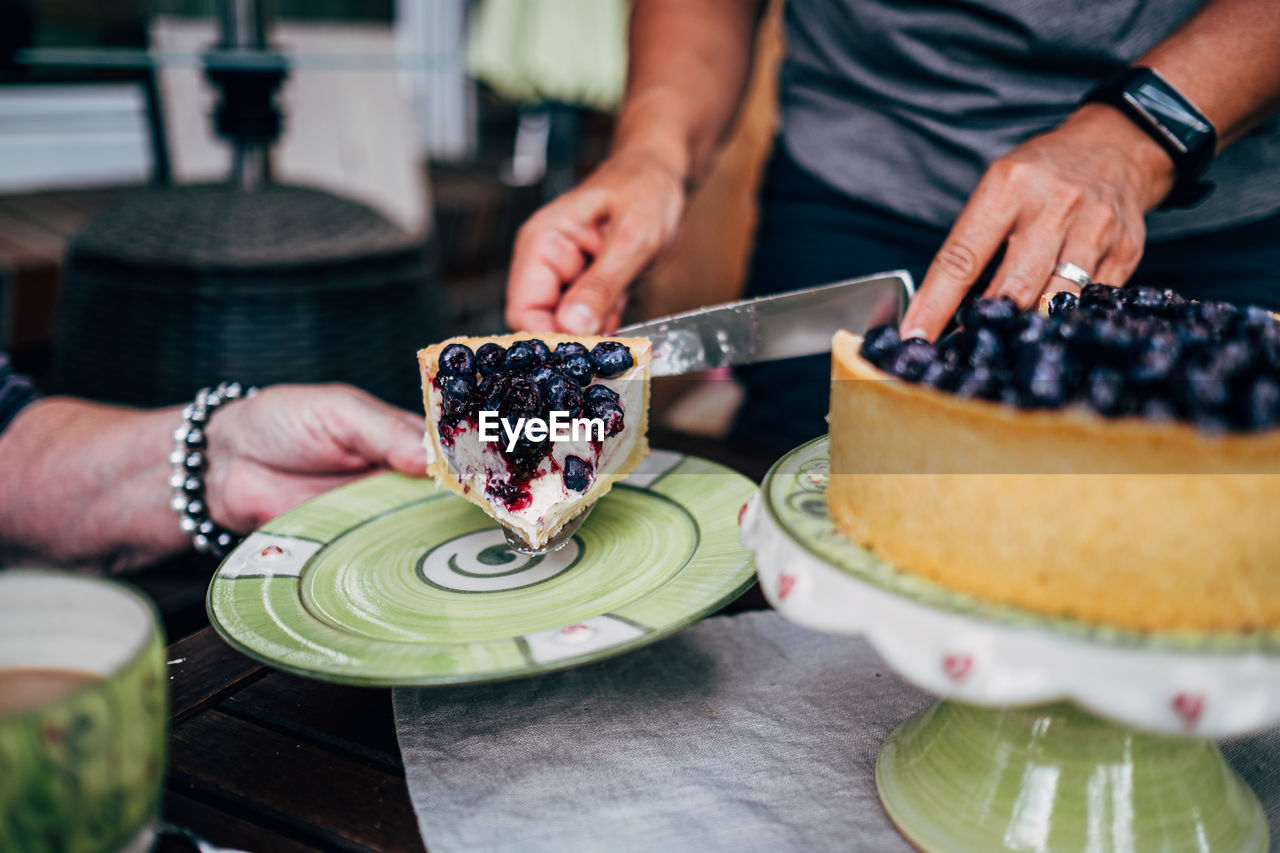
810, 234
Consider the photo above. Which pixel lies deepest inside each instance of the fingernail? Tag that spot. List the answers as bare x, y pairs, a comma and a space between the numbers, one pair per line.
579, 319
914, 333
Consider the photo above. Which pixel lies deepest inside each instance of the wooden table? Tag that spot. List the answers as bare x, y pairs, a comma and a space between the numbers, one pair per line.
267, 761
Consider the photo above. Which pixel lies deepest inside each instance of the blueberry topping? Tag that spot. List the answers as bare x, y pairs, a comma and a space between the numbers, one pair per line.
880, 344
1263, 403
579, 367
567, 349
542, 373
540, 349
1104, 390
912, 359
1062, 302
1099, 296
611, 358
603, 402
996, 314
457, 360
520, 357
456, 391
489, 359
562, 394
1137, 351
577, 474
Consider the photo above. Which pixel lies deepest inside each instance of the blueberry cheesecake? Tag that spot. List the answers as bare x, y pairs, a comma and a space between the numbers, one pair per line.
1114, 458
535, 429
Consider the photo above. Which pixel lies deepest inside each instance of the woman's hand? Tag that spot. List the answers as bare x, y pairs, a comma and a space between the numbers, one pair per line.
271, 452
1077, 194
594, 240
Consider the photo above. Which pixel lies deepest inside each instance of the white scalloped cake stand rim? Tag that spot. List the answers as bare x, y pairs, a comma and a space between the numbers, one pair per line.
968, 659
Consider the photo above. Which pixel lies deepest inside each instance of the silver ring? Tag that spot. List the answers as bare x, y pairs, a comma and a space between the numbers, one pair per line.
1071, 272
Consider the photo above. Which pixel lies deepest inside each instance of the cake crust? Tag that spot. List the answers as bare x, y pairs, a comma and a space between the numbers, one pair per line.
1124, 522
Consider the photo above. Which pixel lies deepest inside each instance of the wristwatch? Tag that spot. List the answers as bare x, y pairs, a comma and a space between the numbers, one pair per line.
1171, 120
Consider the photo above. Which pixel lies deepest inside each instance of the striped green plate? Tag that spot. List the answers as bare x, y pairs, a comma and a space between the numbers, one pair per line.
394, 581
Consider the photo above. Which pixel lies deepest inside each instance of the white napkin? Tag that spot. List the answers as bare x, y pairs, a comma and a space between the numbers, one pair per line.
741, 733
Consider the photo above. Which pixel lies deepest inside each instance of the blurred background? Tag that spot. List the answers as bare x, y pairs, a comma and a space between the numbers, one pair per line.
310, 190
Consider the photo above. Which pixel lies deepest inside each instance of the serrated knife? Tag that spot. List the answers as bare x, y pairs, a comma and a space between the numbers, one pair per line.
800, 322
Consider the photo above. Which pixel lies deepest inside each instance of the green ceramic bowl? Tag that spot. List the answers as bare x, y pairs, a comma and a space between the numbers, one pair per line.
83, 771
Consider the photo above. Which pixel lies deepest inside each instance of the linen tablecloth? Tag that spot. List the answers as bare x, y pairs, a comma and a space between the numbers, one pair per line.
741, 733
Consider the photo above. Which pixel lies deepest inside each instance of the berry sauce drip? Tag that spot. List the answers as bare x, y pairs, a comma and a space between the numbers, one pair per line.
529, 380
1121, 352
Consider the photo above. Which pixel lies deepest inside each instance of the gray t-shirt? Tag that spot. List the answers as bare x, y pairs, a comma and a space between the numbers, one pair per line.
903, 103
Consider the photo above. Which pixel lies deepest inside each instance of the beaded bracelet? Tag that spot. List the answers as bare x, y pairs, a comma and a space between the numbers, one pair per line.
189, 462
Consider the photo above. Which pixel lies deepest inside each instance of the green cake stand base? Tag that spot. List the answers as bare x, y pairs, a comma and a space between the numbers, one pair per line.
962, 778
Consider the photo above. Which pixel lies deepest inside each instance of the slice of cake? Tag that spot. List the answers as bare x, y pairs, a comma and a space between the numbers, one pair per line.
535, 430
1117, 461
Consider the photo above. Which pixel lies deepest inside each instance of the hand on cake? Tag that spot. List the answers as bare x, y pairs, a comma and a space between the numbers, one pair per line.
269, 453
1077, 195
594, 240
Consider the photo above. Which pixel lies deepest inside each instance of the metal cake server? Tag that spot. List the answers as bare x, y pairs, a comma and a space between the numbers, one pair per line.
785, 325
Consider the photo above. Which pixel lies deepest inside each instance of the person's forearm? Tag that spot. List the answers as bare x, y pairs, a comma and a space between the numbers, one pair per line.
688, 68
86, 485
1226, 60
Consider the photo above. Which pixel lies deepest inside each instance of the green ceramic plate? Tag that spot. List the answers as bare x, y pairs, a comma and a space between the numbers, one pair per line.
393, 581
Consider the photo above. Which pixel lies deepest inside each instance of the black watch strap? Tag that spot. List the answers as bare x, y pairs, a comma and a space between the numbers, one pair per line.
1171, 120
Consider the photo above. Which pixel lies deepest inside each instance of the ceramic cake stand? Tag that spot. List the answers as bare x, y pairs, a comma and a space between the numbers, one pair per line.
1051, 734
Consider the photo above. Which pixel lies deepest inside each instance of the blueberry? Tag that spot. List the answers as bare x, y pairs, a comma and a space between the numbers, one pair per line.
489, 358
1157, 360
579, 367
1062, 302
940, 375
912, 359
986, 349
1099, 296
1042, 377
577, 474
602, 402
612, 358
979, 381
880, 344
1264, 403
520, 357
1158, 409
455, 390
511, 495
519, 396
562, 394
995, 314
1217, 315
524, 457
1174, 303
1113, 341
567, 349
487, 396
1105, 390
1232, 359
540, 349
1201, 389
1143, 301
457, 360
542, 373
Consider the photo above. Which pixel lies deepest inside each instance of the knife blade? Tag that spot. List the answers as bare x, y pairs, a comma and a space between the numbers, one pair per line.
800, 322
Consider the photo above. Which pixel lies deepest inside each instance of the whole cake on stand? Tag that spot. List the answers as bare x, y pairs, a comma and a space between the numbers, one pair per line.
1010, 531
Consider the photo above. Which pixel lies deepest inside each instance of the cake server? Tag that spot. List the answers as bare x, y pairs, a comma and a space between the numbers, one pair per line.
785, 325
